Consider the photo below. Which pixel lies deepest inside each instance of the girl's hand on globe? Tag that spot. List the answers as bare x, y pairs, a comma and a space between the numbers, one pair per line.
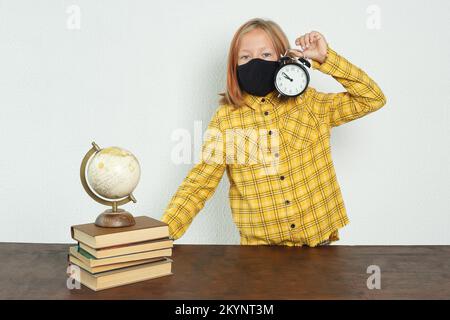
314, 46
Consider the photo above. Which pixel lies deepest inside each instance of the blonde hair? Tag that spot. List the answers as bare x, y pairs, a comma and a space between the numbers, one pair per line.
233, 94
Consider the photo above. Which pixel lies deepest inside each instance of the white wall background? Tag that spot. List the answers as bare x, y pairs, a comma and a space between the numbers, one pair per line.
136, 71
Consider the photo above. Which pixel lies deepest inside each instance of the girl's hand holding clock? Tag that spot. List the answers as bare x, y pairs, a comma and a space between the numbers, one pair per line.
314, 46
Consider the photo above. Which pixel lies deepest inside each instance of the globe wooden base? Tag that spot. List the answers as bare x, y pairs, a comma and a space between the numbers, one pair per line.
118, 219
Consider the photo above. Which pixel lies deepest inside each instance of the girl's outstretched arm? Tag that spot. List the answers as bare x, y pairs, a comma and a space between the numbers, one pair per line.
199, 184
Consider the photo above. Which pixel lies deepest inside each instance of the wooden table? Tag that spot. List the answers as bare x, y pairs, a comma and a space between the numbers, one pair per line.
38, 271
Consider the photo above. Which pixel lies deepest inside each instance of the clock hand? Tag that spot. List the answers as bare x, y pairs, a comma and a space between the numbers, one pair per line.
286, 76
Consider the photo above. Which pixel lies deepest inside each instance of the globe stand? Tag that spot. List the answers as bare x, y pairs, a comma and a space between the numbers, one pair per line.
110, 218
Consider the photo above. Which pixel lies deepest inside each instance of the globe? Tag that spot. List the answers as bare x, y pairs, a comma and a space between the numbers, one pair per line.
109, 176
113, 172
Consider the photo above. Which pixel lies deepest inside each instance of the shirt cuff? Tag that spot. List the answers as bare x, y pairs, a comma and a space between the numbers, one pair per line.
166, 218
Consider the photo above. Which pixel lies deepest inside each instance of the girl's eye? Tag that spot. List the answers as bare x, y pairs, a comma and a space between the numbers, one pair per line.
267, 54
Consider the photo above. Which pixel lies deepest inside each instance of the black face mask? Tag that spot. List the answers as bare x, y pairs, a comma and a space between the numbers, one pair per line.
257, 76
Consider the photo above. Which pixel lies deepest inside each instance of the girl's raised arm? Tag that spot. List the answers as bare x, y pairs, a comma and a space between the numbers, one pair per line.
362, 95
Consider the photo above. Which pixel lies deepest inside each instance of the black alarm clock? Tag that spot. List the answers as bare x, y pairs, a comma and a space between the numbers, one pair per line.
292, 78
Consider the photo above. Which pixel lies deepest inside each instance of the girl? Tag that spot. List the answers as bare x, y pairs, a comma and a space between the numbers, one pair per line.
299, 202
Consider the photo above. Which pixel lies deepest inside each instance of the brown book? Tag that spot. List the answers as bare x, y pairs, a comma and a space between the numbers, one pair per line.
109, 267
119, 277
136, 247
146, 228
91, 261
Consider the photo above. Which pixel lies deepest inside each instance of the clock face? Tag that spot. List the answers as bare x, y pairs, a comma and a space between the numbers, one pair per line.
291, 80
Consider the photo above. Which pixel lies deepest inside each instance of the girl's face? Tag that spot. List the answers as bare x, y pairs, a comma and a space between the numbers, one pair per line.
256, 44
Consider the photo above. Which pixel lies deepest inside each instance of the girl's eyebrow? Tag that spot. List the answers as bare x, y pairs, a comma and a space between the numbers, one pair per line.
262, 48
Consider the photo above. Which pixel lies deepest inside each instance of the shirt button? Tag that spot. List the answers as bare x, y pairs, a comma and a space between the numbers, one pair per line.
262, 100
266, 113
276, 155
292, 226
287, 202
282, 177
270, 131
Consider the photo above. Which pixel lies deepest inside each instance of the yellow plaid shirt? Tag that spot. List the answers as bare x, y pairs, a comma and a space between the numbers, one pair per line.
300, 203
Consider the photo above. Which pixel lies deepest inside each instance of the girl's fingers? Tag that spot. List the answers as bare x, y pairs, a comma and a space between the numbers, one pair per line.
297, 52
315, 34
307, 40
298, 41
302, 42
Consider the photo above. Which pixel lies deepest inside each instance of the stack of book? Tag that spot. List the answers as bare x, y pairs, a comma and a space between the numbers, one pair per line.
111, 257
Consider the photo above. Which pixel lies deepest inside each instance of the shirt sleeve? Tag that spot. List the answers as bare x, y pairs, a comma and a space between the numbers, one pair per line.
199, 184
362, 95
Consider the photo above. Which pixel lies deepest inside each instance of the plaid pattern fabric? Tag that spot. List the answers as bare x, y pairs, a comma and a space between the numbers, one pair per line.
299, 201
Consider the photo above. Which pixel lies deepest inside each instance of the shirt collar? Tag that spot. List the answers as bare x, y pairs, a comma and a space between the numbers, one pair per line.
254, 101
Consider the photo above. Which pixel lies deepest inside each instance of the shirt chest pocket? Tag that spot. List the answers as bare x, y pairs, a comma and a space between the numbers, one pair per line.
299, 128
